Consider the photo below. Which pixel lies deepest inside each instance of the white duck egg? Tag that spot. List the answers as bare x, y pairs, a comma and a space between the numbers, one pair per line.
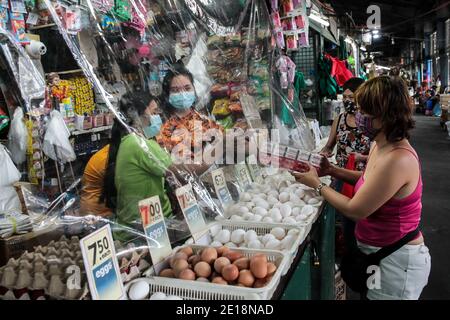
301, 218
158, 296
313, 201
237, 236
273, 244
215, 230
260, 211
247, 216
250, 235
256, 218
278, 233
300, 193
246, 197
139, 290
267, 219
216, 244
242, 210
276, 215
284, 197
236, 218
285, 210
287, 242
293, 232
255, 244
261, 203
223, 236
267, 237
289, 220
273, 193
299, 203
296, 211
307, 210
272, 200
230, 245
293, 198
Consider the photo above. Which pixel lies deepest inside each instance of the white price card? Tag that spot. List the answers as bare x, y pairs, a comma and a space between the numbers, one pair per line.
101, 265
155, 229
254, 168
194, 217
221, 188
243, 176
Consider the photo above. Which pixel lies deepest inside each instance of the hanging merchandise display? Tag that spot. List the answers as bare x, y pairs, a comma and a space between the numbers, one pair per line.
167, 116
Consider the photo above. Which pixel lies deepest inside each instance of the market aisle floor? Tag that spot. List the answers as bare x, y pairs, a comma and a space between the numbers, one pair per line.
433, 147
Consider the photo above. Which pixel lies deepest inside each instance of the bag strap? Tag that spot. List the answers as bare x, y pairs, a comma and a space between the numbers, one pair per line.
388, 250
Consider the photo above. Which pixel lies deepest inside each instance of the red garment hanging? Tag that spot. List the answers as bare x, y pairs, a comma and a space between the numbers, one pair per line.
339, 70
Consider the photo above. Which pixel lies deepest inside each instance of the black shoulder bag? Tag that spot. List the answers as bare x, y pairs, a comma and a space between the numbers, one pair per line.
354, 266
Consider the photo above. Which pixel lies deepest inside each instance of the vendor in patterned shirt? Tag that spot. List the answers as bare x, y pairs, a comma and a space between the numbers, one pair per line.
184, 121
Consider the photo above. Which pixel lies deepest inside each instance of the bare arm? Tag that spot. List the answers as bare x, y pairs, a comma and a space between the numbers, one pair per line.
384, 182
349, 176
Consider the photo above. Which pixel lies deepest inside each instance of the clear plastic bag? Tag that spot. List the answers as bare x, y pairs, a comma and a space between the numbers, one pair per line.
56, 140
17, 137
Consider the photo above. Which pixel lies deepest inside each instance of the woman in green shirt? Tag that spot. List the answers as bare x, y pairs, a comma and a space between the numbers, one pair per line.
137, 165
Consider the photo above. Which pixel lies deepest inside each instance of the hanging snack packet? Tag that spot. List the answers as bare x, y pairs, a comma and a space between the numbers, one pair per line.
18, 27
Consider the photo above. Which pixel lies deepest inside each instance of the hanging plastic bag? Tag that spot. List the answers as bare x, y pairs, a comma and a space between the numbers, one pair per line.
8, 171
17, 137
347, 189
9, 200
56, 141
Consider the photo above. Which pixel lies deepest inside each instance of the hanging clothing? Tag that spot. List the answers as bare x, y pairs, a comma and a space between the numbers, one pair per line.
299, 84
286, 68
327, 84
339, 71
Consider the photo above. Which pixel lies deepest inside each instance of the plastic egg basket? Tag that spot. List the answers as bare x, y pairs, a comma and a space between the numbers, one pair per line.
196, 290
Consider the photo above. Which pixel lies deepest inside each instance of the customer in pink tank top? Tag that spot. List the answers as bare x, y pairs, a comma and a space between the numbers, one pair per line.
387, 203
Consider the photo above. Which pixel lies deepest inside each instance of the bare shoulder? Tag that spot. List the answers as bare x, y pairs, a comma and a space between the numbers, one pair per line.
400, 160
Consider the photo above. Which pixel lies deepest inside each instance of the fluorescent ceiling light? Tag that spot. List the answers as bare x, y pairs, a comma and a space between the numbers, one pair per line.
319, 20
363, 48
376, 36
375, 31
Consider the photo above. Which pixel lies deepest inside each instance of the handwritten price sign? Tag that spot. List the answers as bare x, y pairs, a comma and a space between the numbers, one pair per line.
221, 188
155, 229
194, 217
101, 265
254, 168
243, 176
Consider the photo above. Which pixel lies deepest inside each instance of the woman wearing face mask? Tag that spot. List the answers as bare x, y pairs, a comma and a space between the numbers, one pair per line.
387, 204
136, 165
180, 98
344, 132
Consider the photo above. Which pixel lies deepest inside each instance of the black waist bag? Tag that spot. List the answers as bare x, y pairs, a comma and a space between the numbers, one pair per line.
355, 265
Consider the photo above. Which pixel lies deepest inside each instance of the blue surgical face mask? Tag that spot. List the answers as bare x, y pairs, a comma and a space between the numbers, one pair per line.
155, 126
182, 100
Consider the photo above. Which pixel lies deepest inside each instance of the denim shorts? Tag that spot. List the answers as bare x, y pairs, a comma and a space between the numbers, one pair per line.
402, 275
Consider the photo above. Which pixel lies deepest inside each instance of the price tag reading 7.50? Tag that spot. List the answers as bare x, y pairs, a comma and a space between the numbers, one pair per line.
194, 217
101, 265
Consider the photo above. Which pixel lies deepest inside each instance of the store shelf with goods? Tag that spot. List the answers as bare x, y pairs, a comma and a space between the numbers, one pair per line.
93, 130
43, 26
74, 71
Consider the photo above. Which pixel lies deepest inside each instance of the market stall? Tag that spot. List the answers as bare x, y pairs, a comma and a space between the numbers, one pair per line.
235, 225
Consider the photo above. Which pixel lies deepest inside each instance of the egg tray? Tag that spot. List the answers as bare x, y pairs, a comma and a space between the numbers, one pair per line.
219, 291
42, 273
261, 229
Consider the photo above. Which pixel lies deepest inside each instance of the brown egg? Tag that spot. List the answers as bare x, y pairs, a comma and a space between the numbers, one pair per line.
219, 280
220, 263
233, 255
179, 265
209, 255
258, 266
187, 274
242, 263
167, 273
178, 256
188, 251
246, 278
271, 268
222, 251
202, 269
259, 283
193, 260
230, 272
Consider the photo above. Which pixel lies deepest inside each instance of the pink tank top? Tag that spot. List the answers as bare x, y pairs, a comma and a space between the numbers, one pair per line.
393, 220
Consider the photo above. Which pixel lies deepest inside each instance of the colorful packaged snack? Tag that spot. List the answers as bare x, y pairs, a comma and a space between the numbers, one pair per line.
292, 42
300, 22
18, 27
276, 19
288, 6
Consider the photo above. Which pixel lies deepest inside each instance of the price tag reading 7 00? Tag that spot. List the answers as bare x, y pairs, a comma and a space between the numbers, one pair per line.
194, 217
185, 197
151, 210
